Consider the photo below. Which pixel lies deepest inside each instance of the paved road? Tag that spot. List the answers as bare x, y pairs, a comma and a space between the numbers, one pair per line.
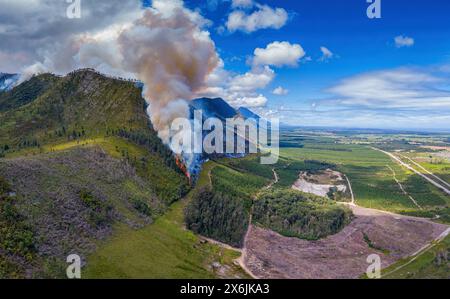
427, 171
414, 170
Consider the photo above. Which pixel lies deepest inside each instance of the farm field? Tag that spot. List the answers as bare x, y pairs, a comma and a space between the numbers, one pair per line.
435, 162
378, 183
371, 174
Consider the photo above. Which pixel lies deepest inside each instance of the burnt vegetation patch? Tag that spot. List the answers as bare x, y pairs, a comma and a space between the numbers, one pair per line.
16, 237
63, 203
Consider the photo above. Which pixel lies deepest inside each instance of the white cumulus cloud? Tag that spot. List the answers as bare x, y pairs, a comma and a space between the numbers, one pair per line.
403, 88
262, 18
240, 89
326, 54
241, 3
279, 54
403, 41
252, 80
280, 91
250, 101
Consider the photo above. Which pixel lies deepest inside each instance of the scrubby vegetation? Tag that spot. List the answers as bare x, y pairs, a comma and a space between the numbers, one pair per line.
82, 104
16, 237
150, 141
85, 107
100, 212
296, 214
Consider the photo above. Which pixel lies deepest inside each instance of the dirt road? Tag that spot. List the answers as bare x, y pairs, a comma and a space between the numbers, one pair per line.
243, 258
403, 189
353, 203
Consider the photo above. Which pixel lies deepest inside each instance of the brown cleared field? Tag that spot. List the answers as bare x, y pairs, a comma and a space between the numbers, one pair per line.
437, 148
343, 255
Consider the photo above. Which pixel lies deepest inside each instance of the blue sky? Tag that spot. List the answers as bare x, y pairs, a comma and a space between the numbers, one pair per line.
360, 45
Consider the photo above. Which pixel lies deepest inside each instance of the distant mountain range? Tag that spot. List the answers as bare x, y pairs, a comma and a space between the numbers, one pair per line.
247, 113
219, 108
7, 81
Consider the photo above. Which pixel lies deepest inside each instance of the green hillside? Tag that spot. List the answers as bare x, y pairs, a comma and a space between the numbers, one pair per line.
82, 103
26, 92
79, 159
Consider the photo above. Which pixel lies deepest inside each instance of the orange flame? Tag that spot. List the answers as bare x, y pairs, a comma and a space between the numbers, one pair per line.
183, 167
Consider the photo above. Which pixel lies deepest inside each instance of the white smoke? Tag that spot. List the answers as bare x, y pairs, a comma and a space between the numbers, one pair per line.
165, 47
173, 57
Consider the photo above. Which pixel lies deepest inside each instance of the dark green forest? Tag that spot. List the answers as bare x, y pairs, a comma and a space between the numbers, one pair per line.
296, 214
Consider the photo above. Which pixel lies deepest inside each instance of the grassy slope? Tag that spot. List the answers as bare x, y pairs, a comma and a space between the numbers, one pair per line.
164, 249
90, 106
95, 105
165, 182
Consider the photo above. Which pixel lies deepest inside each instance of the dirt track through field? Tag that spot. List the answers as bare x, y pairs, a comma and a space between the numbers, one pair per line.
403, 189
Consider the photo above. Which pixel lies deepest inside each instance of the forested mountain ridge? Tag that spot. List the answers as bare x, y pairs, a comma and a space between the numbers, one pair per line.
78, 156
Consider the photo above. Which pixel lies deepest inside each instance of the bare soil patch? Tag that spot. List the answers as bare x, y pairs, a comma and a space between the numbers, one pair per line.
343, 255
320, 183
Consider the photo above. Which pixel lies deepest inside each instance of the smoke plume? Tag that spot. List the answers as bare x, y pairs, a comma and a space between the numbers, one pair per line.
164, 47
173, 57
